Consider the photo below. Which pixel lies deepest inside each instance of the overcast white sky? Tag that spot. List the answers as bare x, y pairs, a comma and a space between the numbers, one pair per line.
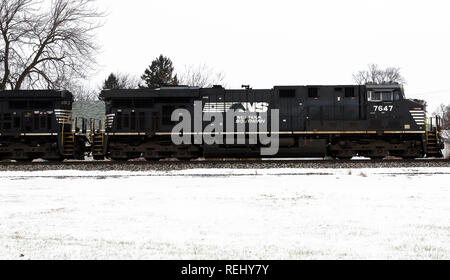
267, 43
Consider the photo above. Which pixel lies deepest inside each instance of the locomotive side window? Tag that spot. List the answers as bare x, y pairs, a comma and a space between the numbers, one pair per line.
374, 96
378, 96
387, 96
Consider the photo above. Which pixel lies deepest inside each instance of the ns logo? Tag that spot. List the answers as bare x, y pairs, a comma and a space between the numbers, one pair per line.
256, 107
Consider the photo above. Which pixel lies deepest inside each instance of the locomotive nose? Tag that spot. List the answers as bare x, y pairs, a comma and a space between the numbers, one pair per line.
419, 104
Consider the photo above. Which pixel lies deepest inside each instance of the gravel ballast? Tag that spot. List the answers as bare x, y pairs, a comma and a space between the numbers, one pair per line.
175, 165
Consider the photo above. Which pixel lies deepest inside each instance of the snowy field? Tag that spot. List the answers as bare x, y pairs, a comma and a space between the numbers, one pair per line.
226, 214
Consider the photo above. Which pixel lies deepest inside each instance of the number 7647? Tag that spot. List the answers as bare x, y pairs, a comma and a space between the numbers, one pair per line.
383, 108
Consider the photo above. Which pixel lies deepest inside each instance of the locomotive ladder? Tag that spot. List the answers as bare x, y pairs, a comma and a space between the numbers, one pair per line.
68, 141
98, 140
68, 144
98, 144
432, 144
433, 140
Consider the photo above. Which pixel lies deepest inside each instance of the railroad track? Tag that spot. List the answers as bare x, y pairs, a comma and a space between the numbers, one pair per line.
231, 164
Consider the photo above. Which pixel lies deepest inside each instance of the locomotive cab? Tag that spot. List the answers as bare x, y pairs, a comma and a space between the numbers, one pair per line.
389, 109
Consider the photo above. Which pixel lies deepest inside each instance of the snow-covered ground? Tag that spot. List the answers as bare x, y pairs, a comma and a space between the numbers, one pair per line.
226, 214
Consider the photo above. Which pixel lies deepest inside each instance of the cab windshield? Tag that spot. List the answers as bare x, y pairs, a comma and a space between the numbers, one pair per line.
382, 96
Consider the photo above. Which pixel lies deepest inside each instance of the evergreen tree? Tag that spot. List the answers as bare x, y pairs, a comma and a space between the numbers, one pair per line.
112, 82
160, 73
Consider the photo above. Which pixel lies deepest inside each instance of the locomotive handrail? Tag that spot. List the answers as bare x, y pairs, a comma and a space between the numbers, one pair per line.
92, 127
62, 134
433, 123
438, 126
84, 126
438, 122
103, 125
96, 127
74, 125
102, 133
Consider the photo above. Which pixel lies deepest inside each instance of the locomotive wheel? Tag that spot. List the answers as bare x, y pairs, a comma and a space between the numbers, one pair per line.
99, 157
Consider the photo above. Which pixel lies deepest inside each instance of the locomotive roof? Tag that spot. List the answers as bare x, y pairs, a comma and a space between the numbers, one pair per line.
391, 86
36, 94
146, 92
184, 91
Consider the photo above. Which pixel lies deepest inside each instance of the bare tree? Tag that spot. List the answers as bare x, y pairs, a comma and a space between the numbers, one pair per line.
120, 81
375, 75
83, 92
201, 76
444, 112
127, 81
47, 49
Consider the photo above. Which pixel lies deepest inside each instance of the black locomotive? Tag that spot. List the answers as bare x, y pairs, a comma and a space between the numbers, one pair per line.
38, 124
340, 121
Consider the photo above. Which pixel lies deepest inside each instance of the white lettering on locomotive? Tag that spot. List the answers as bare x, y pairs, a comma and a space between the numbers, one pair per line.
257, 107
223, 107
384, 108
235, 131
